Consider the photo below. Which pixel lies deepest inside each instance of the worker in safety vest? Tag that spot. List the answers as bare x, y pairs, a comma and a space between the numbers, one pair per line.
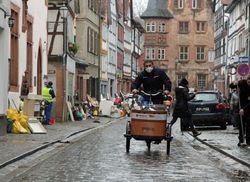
48, 95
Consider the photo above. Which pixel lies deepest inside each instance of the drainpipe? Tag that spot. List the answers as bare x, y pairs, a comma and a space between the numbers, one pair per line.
99, 60
65, 45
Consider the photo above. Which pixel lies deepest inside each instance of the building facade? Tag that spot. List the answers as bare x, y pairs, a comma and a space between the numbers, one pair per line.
112, 52
87, 36
28, 48
64, 68
238, 38
220, 40
4, 54
178, 39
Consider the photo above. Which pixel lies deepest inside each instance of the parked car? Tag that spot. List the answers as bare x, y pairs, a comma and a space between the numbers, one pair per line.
209, 108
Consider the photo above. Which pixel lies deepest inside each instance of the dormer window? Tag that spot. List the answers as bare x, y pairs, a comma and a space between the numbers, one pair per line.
150, 27
162, 27
153, 27
179, 4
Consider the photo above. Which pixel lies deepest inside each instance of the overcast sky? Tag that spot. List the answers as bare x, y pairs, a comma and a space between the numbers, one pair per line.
140, 6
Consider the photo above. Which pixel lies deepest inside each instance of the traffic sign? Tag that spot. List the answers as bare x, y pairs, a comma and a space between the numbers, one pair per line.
243, 69
243, 59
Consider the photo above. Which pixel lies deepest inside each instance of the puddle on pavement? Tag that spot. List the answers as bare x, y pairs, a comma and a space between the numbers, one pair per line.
223, 147
199, 148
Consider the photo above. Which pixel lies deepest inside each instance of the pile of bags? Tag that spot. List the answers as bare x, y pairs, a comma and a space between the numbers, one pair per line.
17, 122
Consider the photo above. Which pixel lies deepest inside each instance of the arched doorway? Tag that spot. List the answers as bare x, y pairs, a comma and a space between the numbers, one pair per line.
39, 72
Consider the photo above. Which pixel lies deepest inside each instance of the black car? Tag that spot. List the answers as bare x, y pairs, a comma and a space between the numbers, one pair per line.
209, 108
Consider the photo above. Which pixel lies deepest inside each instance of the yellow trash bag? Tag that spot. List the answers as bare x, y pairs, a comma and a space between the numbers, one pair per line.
17, 128
12, 114
23, 120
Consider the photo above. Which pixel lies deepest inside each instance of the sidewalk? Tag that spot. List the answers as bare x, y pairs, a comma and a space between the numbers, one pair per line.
15, 145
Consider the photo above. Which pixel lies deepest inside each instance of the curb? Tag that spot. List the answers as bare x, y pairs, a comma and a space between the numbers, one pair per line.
27, 154
63, 140
222, 152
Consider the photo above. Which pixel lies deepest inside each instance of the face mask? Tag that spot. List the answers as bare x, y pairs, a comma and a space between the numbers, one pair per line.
149, 69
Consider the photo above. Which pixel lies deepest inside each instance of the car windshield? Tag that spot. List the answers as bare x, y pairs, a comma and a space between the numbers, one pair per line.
205, 97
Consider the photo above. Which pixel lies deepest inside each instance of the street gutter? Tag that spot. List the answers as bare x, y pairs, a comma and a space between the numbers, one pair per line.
222, 152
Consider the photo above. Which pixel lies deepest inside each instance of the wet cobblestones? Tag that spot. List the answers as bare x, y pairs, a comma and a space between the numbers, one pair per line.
101, 156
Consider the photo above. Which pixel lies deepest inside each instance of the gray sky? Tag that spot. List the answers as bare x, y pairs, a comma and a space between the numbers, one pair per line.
140, 6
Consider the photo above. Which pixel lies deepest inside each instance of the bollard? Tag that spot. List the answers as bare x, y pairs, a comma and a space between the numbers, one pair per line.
3, 125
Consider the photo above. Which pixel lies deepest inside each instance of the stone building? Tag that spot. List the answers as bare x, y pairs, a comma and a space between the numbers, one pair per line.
28, 48
179, 38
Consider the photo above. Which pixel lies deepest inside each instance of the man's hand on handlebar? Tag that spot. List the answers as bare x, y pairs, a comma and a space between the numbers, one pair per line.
135, 91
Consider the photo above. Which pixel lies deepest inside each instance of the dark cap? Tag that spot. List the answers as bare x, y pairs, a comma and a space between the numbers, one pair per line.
184, 81
50, 83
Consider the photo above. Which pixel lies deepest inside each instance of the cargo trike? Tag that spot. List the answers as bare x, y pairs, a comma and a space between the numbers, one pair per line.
149, 125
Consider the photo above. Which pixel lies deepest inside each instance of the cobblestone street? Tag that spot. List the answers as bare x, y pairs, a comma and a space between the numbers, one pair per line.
101, 156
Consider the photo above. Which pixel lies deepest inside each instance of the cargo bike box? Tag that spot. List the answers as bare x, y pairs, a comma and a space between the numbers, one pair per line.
150, 126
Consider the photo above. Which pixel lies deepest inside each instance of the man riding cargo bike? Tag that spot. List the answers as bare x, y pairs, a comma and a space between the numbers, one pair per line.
150, 124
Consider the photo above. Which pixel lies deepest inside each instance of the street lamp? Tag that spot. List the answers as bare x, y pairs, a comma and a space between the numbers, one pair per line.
11, 20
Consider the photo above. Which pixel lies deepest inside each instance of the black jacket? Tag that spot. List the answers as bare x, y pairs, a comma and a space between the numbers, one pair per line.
181, 105
244, 92
152, 82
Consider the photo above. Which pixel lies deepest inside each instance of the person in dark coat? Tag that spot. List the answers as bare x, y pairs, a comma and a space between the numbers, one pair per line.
244, 96
152, 80
181, 109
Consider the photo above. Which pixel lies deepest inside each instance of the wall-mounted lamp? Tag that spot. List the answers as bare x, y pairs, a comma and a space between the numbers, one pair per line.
10, 19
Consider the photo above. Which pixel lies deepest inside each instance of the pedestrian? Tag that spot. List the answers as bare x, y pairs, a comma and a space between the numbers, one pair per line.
152, 80
244, 110
48, 96
234, 105
181, 109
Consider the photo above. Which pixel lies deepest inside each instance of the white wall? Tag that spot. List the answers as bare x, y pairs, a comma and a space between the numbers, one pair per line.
38, 10
4, 55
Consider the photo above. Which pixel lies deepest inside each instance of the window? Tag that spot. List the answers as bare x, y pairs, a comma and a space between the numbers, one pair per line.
147, 54
196, 4
183, 27
92, 41
148, 27
153, 27
200, 26
218, 49
161, 53
13, 67
201, 81
178, 4
93, 5
150, 54
200, 55
77, 6
183, 53
162, 27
